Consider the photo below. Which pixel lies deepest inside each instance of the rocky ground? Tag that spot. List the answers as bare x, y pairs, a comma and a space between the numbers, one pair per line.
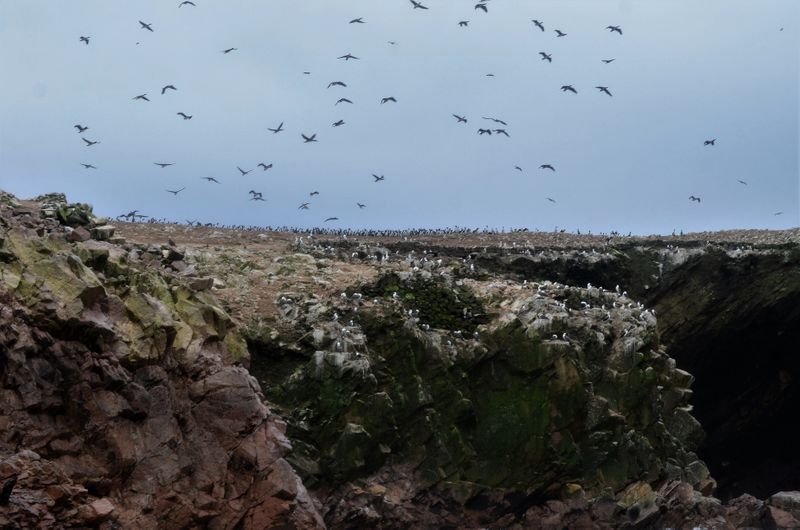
506, 381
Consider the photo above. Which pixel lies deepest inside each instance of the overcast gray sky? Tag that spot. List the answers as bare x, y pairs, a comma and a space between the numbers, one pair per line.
684, 72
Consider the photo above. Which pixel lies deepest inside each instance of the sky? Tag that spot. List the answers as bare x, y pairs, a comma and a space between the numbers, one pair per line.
683, 72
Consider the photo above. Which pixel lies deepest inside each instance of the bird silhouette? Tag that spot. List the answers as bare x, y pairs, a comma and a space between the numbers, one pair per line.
392, 43
254, 193
693, 198
146, 26
778, 213
461, 119
88, 166
378, 178
336, 83
501, 131
547, 166
538, 24
85, 39
184, 116
331, 219
545, 57
417, 5
603, 89
264, 166
570, 88
614, 28
168, 87
710, 142
80, 128
501, 122
482, 6
313, 193
186, 2
211, 179
89, 143
142, 97
607, 61
343, 100
388, 99
275, 131
361, 206
518, 168
348, 56
358, 20
176, 192
257, 198
485, 131
309, 139
242, 171
229, 50
551, 199
337, 123
742, 182
560, 33
303, 206
464, 23
164, 164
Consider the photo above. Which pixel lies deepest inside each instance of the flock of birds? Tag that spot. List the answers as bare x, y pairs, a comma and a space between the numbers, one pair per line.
496, 126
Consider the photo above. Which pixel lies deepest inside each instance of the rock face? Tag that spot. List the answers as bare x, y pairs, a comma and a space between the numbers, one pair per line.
124, 397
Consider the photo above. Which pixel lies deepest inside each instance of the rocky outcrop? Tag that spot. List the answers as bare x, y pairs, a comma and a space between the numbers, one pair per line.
124, 394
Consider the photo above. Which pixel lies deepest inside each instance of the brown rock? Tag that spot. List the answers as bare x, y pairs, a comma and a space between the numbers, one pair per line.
79, 234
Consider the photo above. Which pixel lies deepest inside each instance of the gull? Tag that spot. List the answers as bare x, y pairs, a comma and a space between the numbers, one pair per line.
538, 24
778, 213
229, 50
211, 179
710, 142
358, 20
501, 122
485, 131
184, 116
461, 119
242, 171
88, 166
313, 193
387, 100
306, 73
564, 88
89, 143
560, 33
693, 198
361, 206
264, 166
378, 178
146, 26
331, 219
255, 193
489, 75
337, 123
186, 2
176, 192
501, 131
303, 206
343, 100
482, 6
417, 5
348, 56
607, 61
80, 127
275, 131
614, 28
336, 83
603, 89
742, 182
168, 87
545, 57
550, 199
391, 42
85, 39
518, 168
547, 166
464, 23
164, 164
257, 198
309, 139
142, 97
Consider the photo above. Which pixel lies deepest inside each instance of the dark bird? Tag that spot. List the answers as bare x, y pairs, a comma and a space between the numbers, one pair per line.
501, 131
550, 199
343, 100
778, 213
89, 143
378, 178
603, 89
331, 219
306, 73
168, 87
518, 168
482, 6
85, 39
461, 119
164, 164
693, 198
184, 116
358, 20
279, 129
710, 142
257, 198
336, 83
391, 42
545, 57
229, 50
176, 192
417, 5
348, 56
255, 193
485, 131
242, 171
489, 75
501, 122
211, 179
387, 100
146, 26
142, 97
607, 61
564, 88
88, 166
81, 128
264, 166
303, 206
560, 33
538, 24
463, 24
742, 182
309, 139
313, 193
361, 206
547, 166
186, 2
337, 123
614, 28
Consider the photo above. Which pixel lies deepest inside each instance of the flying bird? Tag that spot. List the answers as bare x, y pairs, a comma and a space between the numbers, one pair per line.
242, 171
184, 116
693, 198
393, 43
417, 5
337, 123
538, 24
603, 89
88, 166
176, 192
742, 182
464, 23
482, 6
565, 88
306, 73
229, 50
89, 143
550, 199
309, 139
80, 127
146, 26
710, 142
331, 219
461, 119
186, 2
211, 179
279, 129
168, 87
361, 206
358, 20
560, 33
336, 83
545, 57
343, 100
142, 97
501, 131
378, 178
778, 213
387, 100
348, 56
518, 168
257, 198
313, 193
303, 206
607, 61
164, 164
501, 122
255, 193
485, 131
264, 166
85, 39
547, 166
614, 28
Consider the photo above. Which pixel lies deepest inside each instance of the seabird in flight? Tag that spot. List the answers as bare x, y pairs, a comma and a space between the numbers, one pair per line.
742, 182
565, 88
303, 206
378, 178
184, 116
211, 179
545, 57
164, 164
313, 193
388, 99
168, 87
560, 33
461, 119
186, 2
242, 171
693, 198
607, 61
614, 28
343, 100
309, 139
485, 131
331, 219
361, 206
358, 20
538, 24
229, 50
417, 5
547, 166
85, 39
88, 166
348, 56
501, 122
710, 142
550, 199
337, 123
279, 129
264, 166
146, 26
141, 96
89, 143
176, 192
501, 131
518, 168
603, 89
464, 23
482, 6
336, 83
80, 128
